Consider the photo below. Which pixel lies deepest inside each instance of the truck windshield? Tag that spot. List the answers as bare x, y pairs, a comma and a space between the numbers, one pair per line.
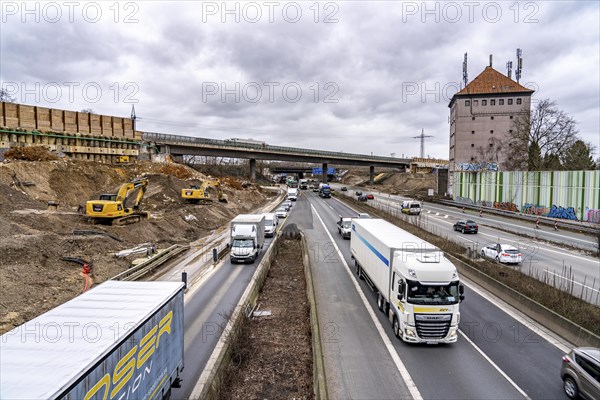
269, 222
346, 224
243, 243
432, 294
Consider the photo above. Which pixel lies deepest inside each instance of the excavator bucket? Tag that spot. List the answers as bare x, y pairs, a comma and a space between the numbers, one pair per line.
223, 198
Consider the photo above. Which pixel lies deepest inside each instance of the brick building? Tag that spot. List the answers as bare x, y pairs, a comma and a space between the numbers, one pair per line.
481, 118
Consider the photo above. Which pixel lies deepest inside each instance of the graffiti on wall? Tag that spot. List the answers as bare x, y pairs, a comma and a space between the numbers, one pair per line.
592, 216
506, 206
465, 200
554, 211
479, 166
530, 209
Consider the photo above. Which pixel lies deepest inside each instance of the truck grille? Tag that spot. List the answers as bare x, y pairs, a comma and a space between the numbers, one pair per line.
432, 326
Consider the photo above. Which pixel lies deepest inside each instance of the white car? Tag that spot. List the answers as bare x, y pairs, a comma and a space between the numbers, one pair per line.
281, 213
503, 253
287, 204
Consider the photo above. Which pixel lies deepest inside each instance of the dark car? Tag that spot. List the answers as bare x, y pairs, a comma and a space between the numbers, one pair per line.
344, 189
580, 373
370, 196
358, 193
362, 198
466, 226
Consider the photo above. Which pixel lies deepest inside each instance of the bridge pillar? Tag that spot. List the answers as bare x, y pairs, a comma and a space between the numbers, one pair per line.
371, 175
324, 174
252, 169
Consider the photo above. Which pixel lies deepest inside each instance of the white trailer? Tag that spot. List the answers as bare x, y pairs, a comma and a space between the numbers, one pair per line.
412, 278
247, 237
119, 340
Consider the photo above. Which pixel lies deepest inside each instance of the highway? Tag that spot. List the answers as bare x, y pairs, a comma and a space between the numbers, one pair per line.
548, 261
500, 354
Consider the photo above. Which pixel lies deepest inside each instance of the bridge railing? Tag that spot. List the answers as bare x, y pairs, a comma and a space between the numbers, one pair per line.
190, 141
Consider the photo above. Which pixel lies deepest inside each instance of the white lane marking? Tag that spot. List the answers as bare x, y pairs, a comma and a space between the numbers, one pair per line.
412, 387
517, 315
495, 366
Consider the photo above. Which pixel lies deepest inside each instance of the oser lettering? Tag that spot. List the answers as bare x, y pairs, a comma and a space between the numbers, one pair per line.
132, 361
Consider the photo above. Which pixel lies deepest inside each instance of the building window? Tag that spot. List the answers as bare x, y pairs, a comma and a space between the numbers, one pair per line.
510, 102
492, 132
510, 131
518, 101
484, 102
492, 102
472, 144
501, 102
473, 132
472, 118
491, 144
511, 117
467, 103
492, 117
472, 158
475, 103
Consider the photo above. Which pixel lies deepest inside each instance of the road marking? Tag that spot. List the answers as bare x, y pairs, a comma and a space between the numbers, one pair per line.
495, 366
410, 384
519, 316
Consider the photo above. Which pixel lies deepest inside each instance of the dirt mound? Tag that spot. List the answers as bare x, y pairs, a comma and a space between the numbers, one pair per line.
30, 153
33, 277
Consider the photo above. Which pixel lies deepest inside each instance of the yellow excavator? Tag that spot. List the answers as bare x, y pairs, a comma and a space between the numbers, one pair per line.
199, 194
112, 208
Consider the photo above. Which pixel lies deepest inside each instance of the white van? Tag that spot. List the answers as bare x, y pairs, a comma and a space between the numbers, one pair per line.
411, 207
292, 194
270, 224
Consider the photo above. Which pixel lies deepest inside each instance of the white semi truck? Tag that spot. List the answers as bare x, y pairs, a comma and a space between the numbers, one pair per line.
120, 340
412, 279
247, 237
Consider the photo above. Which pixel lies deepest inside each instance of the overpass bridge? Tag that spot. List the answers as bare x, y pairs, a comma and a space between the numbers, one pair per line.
178, 146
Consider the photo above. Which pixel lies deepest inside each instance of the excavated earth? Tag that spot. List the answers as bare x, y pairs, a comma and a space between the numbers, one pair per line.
397, 183
35, 236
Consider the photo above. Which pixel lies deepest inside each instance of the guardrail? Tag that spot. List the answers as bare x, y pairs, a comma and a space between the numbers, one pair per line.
144, 268
229, 144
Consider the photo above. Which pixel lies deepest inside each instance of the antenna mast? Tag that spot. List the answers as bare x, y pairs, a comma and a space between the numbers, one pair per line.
518, 71
465, 75
509, 68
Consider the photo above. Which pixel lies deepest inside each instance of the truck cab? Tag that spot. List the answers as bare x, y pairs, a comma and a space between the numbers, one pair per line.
247, 237
292, 194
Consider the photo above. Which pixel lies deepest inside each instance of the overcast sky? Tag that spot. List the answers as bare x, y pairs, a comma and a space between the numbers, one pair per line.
353, 76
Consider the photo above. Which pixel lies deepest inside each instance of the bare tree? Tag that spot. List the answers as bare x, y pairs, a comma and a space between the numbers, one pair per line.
5, 96
548, 129
490, 154
88, 110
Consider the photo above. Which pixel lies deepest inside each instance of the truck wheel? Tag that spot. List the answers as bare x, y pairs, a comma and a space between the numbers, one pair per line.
380, 302
396, 326
356, 268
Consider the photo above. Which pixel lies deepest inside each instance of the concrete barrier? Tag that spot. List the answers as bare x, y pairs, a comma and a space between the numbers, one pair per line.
319, 378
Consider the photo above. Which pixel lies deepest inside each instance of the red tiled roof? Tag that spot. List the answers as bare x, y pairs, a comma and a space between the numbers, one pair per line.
491, 81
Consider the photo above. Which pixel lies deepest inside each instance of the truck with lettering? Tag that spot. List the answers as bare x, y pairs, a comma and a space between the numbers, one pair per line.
303, 184
119, 340
412, 279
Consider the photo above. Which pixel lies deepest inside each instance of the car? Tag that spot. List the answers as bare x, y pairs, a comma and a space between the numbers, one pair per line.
288, 204
315, 188
358, 193
466, 226
362, 198
344, 189
363, 215
345, 227
281, 212
502, 253
580, 373
370, 196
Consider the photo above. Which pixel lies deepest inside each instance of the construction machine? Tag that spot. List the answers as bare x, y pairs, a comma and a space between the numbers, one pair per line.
113, 209
199, 194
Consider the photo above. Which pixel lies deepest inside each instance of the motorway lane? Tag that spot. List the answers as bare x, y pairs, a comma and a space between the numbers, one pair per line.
529, 360
357, 362
206, 312
540, 259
